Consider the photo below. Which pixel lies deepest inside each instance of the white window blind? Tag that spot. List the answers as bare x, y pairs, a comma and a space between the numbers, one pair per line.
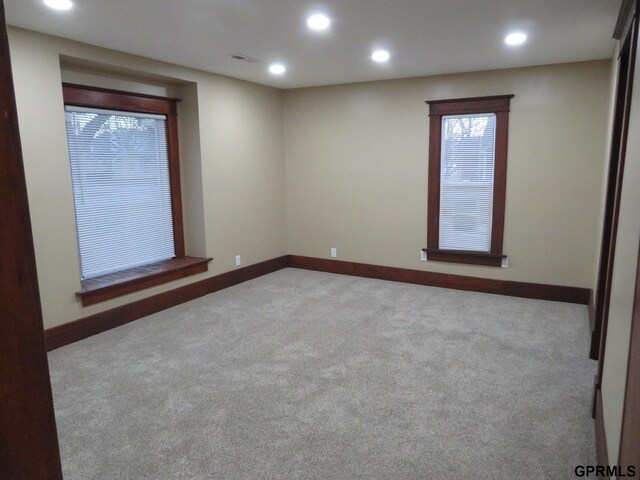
466, 182
121, 189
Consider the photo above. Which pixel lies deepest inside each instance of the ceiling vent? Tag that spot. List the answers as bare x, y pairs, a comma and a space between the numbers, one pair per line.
243, 58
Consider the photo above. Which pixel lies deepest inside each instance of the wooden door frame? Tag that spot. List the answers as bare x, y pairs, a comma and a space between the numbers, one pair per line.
28, 438
630, 431
627, 32
626, 59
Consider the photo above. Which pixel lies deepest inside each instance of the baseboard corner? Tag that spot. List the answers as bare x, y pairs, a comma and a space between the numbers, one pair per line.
71, 332
537, 291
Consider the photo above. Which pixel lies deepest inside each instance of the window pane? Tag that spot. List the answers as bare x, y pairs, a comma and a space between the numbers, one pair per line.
466, 182
121, 189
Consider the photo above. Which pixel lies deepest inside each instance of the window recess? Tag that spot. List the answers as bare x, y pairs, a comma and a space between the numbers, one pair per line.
467, 180
125, 172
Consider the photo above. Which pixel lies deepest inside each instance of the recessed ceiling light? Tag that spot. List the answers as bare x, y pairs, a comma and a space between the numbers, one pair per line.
517, 38
318, 22
277, 69
380, 56
59, 4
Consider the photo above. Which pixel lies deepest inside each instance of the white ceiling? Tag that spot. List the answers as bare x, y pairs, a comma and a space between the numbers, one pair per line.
425, 37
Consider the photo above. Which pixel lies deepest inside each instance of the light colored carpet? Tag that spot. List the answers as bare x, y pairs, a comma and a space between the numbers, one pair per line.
307, 375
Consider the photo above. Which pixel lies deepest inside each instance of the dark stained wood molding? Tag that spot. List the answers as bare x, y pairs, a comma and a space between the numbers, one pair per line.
71, 332
617, 160
499, 105
433, 183
106, 287
175, 183
57, 337
592, 311
500, 181
593, 353
28, 437
602, 454
627, 10
95, 97
443, 280
470, 258
627, 31
629, 452
455, 106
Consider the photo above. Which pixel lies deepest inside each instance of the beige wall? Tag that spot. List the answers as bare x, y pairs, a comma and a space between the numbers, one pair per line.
623, 285
355, 173
232, 162
356, 170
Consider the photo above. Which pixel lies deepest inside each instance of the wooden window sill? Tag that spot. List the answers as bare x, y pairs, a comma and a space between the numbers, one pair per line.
106, 287
459, 256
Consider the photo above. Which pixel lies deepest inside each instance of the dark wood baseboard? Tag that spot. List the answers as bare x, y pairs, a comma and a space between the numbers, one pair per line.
62, 335
500, 287
602, 455
100, 322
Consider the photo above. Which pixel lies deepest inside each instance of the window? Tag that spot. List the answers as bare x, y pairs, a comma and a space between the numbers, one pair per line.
467, 179
125, 176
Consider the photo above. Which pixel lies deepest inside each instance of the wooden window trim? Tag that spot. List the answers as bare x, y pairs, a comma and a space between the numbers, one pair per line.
500, 105
113, 285
106, 287
461, 256
94, 97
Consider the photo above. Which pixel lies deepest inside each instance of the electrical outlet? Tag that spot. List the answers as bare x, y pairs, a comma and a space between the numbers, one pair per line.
237, 260
334, 252
505, 262
423, 256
